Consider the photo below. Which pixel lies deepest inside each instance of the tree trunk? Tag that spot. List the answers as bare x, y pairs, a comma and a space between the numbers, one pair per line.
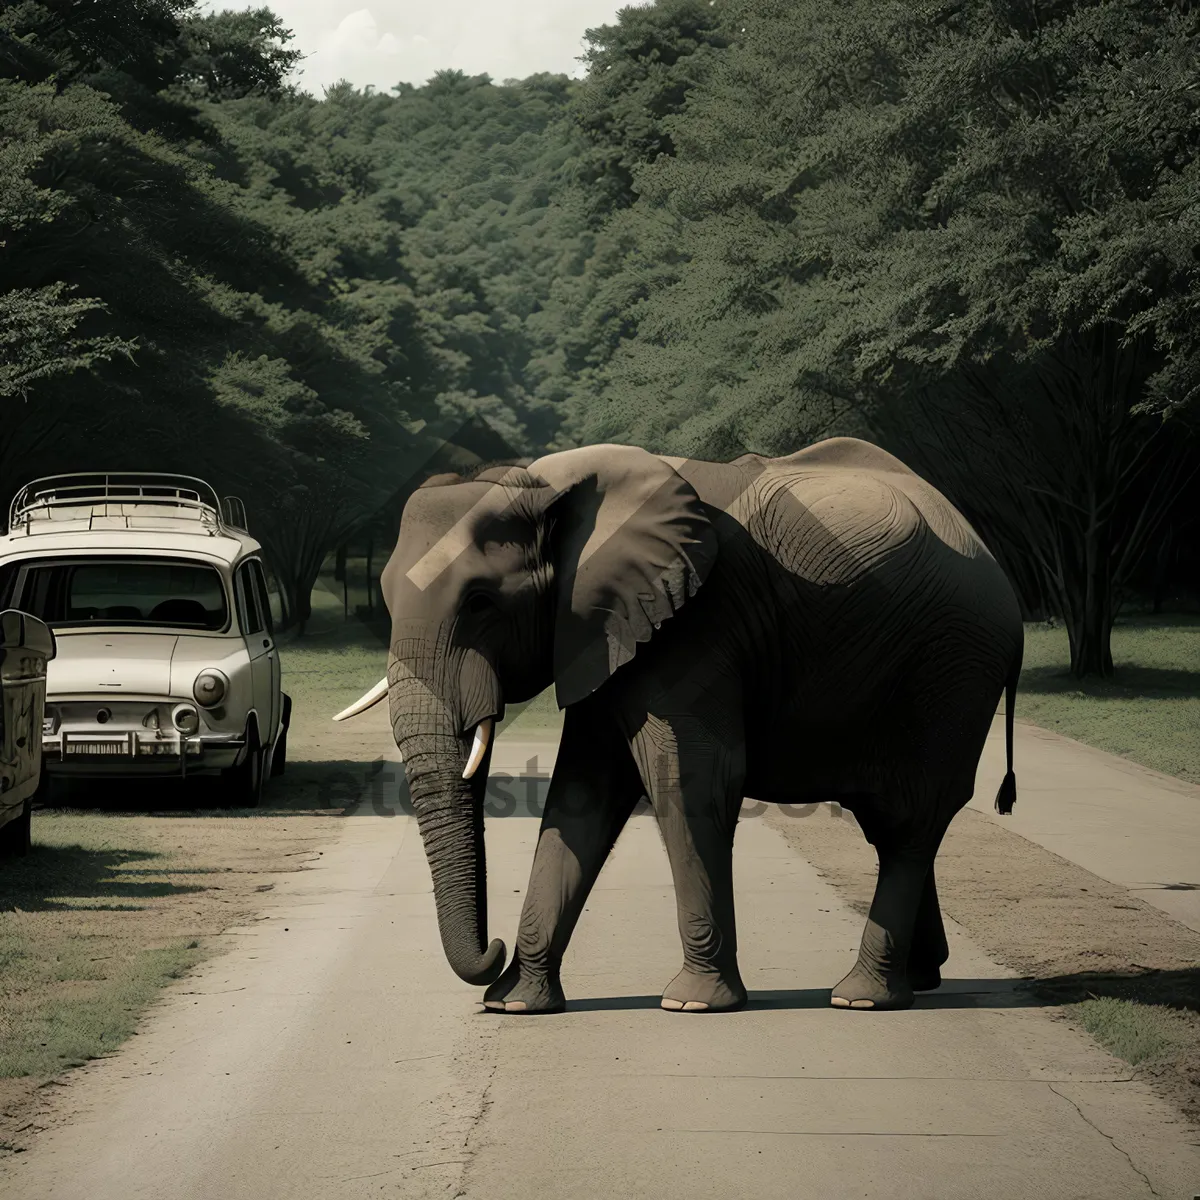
1162, 568
307, 574
1089, 623
370, 587
303, 608
287, 595
340, 575
1089, 632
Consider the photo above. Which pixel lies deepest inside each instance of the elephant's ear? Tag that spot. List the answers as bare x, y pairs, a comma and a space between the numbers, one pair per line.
631, 542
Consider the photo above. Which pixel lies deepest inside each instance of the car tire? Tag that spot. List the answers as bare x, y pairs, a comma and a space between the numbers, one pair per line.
279, 754
15, 837
244, 783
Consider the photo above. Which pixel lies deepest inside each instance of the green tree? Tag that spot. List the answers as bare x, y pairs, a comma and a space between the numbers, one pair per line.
184, 316
872, 208
67, 42
642, 69
467, 173
231, 54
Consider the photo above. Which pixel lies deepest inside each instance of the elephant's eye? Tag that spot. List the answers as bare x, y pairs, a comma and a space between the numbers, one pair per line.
478, 603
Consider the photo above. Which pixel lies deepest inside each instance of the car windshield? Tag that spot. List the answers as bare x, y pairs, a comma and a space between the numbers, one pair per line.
116, 591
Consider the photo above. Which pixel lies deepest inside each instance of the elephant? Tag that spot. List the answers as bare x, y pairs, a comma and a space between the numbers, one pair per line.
824, 626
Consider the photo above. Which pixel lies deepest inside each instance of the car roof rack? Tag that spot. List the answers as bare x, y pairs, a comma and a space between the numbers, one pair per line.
138, 499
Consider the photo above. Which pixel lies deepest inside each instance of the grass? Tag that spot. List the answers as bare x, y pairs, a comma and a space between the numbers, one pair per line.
539, 716
336, 660
67, 1031
74, 978
1150, 711
1137, 1033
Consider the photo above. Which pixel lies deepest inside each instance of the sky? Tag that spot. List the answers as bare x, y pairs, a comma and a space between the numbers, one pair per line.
394, 41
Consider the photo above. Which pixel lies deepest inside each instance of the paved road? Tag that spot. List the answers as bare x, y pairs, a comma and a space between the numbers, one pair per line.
332, 1054
1119, 820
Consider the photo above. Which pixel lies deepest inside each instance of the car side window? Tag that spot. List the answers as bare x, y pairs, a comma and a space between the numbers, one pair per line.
8, 581
247, 602
260, 595
274, 597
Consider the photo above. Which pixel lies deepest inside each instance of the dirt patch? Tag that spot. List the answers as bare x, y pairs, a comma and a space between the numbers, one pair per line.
1076, 938
104, 912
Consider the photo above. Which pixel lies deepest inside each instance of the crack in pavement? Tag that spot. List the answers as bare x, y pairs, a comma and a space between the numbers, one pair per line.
832, 1133
1109, 1137
557, 1071
485, 1103
372, 1175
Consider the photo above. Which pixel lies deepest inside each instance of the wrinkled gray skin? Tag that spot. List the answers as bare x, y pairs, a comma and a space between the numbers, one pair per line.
821, 626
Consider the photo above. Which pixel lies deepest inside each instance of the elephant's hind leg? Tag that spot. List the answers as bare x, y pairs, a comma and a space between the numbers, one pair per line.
930, 950
879, 979
904, 942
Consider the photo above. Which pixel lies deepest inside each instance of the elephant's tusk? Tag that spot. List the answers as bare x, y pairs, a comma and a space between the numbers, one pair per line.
483, 735
373, 697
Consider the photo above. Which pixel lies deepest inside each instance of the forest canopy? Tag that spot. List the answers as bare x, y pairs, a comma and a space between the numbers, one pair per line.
966, 229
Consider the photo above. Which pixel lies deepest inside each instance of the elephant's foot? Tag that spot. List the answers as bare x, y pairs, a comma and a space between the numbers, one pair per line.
867, 988
693, 991
519, 990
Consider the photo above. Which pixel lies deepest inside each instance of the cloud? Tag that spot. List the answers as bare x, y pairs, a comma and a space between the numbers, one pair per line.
393, 41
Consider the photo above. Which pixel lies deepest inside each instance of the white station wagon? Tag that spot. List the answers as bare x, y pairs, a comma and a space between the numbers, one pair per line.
161, 610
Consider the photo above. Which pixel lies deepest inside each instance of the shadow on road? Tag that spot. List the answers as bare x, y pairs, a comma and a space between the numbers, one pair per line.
337, 788
959, 993
346, 788
49, 877
326, 788
1176, 989
1150, 683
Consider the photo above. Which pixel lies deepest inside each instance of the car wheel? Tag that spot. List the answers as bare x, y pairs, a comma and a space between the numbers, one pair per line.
279, 754
244, 783
15, 838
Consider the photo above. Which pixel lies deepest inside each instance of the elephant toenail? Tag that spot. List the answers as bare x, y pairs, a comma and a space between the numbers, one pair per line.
862, 1003
695, 1006
494, 1005
673, 1005
516, 1006
838, 1002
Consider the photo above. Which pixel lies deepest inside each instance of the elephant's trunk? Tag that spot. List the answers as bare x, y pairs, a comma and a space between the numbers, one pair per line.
450, 817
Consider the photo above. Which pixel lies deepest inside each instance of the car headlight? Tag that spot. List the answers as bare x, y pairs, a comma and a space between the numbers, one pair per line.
210, 688
186, 719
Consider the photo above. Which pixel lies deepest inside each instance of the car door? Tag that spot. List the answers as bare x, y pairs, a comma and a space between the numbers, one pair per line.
260, 646
263, 599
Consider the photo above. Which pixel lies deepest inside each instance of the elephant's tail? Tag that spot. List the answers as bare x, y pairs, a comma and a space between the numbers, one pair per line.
1006, 797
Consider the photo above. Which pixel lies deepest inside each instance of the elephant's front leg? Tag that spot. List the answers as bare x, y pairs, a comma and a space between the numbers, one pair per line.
594, 789
695, 784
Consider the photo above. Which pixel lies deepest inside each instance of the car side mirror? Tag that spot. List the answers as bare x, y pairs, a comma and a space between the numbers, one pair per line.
23, 631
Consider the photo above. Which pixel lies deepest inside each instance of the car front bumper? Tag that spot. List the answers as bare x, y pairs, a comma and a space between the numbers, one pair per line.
104, 751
